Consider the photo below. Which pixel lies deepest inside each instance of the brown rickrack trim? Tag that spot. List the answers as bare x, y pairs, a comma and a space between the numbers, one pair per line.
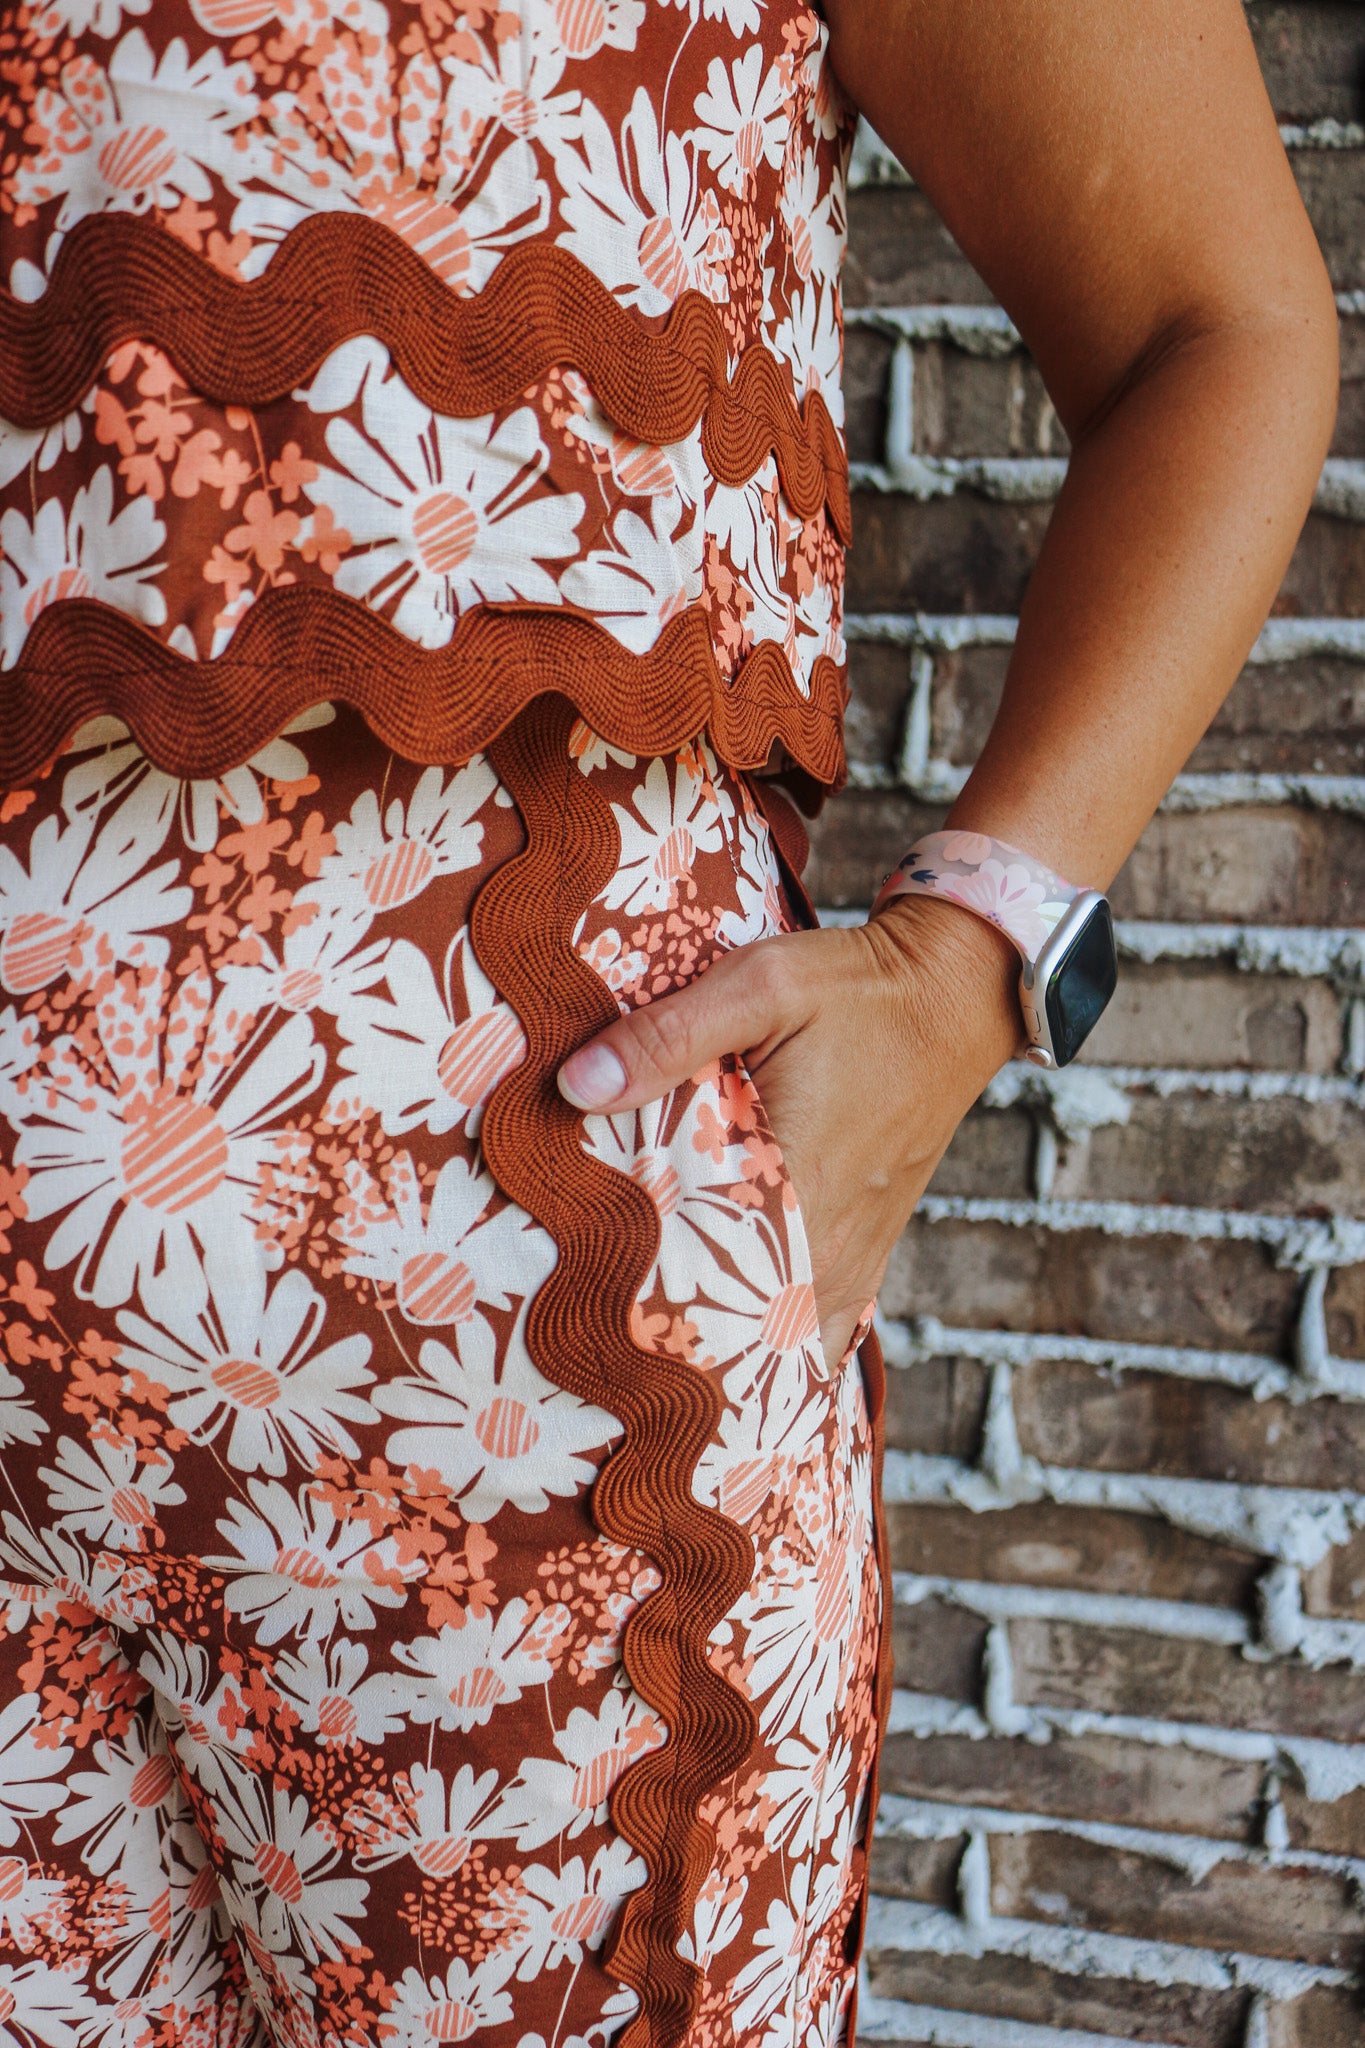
300, 645
872, 1365
578, 1333
120, 278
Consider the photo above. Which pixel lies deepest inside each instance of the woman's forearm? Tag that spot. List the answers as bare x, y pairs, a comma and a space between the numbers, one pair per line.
1168, 542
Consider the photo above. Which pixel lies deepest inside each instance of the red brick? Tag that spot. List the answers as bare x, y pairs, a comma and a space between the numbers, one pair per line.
1293, 717
1126, 1671
1260, 865
938, 1649
924, 1871
1090, 1777
1197, 1013
1011, 1988
1083, 1416
1088, 1549
937, 1407
1280, 1156
1322, 2018
1217, 1294
969, 553
1310, 1916
1312, 56
1336, 1585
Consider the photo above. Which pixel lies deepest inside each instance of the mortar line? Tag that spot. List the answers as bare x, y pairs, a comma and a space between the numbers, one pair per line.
908, 1926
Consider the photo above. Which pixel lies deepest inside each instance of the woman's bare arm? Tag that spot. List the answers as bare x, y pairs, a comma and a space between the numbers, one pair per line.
1115, 174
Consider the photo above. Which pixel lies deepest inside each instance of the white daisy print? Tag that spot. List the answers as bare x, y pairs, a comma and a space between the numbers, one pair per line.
759, 1305
145, 133
459, 1677
550, 1798
386, 859
674, 816
442, 513
805, 1791
434, 1824
20, 1423
180, 1673
796, 1632
296, 1569
642, 222
460, 235
79, 17
584, 27
826, 2026
640, 469
28, 1901
427, 1056
513, 85
282, 1863
43, 447
687, 1177
27, 1766
450, 2007
335, 1694
650, 573
112, 1492
741, 17
807, 209
44, 2004
114, 767
90, 551
558, 1916
252, 1365
120, 1808
322, 963
115, 1589
742, 119
449, 1264
84, 898
809, 339
496, 1435
761, 1446
767, 1983
168, 1157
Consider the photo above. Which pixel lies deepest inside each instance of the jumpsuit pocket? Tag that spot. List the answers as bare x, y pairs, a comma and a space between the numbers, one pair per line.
796, 1302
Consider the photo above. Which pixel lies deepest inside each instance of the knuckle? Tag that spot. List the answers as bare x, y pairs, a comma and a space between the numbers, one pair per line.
772, 974
661, 1038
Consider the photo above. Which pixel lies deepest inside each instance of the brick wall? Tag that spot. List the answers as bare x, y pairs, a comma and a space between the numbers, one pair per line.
1125, 1780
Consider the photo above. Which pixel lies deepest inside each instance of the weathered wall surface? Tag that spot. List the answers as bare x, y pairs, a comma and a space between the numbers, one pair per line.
1125, 1781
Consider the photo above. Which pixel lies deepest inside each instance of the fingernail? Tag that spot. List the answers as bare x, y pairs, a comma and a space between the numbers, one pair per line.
592, 1078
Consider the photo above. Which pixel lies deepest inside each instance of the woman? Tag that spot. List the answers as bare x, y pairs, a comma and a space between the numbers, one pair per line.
440, 1541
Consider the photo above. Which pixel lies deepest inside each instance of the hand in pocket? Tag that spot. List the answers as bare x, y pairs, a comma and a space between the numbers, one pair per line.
867, 1047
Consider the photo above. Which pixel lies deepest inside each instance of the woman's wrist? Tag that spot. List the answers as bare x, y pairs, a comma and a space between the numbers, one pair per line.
960, 974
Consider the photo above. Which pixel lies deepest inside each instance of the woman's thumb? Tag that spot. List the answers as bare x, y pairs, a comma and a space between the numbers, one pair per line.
733, 1006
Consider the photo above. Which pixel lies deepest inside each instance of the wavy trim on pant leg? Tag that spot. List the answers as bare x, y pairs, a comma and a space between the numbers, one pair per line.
578, 1333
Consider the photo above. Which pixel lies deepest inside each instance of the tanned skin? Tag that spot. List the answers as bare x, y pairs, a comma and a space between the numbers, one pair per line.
1115, 174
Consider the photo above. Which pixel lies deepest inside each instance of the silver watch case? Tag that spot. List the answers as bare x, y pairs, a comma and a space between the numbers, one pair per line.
1037, 974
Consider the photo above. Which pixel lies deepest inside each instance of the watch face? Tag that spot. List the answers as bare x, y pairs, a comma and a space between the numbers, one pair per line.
1081, 984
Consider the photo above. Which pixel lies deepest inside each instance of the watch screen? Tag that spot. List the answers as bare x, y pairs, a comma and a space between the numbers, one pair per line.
1082, 984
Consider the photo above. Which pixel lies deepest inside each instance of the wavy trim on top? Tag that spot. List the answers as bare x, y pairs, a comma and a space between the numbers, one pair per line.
121, 278
299, 646
578, 1331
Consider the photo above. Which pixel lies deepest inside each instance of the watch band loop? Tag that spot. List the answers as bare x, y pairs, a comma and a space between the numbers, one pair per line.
1011, 890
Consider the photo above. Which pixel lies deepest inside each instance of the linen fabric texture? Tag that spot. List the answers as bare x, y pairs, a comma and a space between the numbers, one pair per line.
441, 1581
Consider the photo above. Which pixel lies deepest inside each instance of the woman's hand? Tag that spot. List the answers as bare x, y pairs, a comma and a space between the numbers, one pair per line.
867, 1046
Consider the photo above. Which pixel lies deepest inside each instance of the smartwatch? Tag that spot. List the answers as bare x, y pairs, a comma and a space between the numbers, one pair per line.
1063, 935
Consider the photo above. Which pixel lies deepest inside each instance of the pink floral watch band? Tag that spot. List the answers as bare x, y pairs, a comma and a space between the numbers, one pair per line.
995, 880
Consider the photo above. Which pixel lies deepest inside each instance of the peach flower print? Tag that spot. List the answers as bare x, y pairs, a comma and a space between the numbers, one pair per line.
1007, 895
971, 848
